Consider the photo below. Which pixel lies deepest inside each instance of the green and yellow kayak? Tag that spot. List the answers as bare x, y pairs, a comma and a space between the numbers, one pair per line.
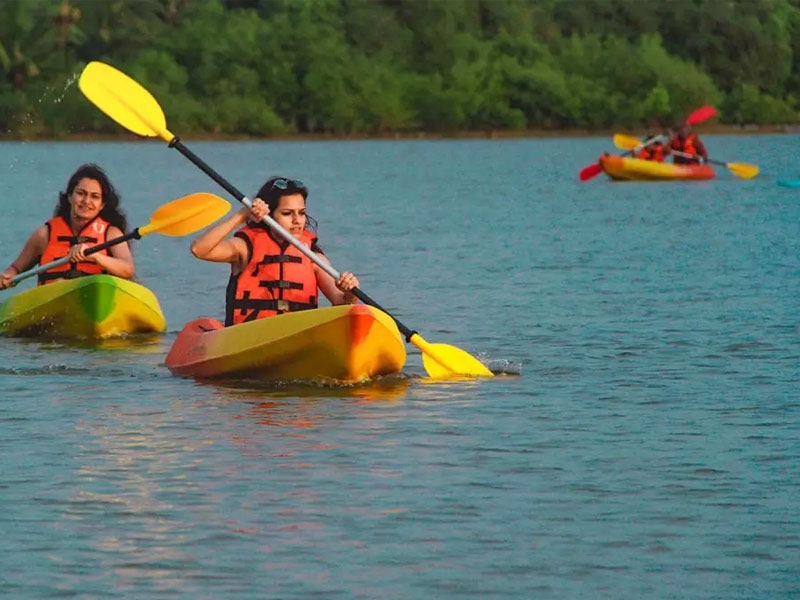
621, 168
92, 307
347, 344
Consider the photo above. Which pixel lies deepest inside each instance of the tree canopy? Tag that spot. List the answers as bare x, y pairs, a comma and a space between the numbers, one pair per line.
271, 67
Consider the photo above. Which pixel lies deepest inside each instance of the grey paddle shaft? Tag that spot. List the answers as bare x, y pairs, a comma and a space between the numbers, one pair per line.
273, 224
653, 140
22, 276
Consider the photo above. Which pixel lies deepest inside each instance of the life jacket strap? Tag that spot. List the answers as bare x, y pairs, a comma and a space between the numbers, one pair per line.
77, 239
280, 306
281, 285
272, 259
72, 273
284, 305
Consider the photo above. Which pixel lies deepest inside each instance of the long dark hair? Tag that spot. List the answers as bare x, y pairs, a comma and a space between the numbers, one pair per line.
111, 211
272, 194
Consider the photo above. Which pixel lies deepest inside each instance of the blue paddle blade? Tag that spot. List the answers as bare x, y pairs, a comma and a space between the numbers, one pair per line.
790, 183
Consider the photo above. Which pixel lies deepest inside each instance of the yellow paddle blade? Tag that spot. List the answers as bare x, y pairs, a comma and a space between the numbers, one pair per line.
626, 142
743, 170
124, 100
443, 360
186, 215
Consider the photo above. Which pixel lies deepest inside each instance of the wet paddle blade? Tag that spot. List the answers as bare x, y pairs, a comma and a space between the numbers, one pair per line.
186, 215
124, 100
701, 114
442, 360
590, 171
743, 170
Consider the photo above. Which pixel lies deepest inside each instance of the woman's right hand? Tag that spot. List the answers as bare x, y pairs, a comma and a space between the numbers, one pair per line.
258, 210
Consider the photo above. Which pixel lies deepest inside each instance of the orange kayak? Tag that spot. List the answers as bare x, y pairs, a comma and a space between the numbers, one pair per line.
636, 169
347, 343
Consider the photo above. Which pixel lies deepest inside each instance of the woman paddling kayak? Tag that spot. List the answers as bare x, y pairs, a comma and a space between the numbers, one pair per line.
269, 276
87, 214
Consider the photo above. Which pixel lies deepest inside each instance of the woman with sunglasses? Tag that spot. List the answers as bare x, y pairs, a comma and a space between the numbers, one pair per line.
87, 214
269, 276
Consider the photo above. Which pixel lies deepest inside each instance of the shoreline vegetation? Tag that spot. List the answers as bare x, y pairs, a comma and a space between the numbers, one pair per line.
405, 69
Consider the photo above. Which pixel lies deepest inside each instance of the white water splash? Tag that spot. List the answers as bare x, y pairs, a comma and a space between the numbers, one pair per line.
55, 96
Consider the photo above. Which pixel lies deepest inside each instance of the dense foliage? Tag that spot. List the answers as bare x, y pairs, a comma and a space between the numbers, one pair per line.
266, 67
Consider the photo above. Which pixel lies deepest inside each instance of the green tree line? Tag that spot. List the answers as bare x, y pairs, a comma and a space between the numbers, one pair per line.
271, 67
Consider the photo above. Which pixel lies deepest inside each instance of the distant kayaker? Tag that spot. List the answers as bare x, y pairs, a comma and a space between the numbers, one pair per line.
686, 142
653, 151
269, 276
87, 214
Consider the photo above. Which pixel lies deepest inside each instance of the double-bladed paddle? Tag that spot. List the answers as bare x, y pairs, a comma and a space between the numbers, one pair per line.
743, 170
179, 217
135, 108
696, 116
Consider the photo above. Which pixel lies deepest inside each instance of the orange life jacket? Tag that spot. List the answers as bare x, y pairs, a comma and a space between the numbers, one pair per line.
278, 278
687, 145
61, 239
652, 152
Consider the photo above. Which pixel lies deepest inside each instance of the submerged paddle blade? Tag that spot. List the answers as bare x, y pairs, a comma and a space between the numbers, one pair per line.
743, 170
790, 183
124, 100
590, 171
701, 114
186, 215
443, 360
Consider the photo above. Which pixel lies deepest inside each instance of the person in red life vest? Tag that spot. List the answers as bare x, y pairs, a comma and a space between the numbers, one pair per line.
653, 151
687, 142
87, 214
269, 276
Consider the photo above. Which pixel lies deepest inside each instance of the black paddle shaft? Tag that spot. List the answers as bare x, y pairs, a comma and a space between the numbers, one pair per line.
133, 235
233, 191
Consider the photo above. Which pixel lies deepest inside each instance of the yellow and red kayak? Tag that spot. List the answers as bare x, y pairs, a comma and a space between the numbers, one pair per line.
347, 343
627, 169
91, 307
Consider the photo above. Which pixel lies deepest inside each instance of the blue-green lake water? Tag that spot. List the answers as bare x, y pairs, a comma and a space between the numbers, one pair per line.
650, 447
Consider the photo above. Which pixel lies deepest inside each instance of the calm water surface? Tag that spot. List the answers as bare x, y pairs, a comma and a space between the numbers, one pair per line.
649, 448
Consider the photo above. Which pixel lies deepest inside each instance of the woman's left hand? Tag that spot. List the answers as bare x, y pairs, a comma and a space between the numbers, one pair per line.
347, 281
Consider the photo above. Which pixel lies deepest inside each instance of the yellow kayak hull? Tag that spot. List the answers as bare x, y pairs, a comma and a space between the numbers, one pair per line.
347, 343
636, 169
91, 307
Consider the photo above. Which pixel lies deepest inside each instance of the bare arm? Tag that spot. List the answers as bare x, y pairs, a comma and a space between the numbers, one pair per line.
29, 254
337, 291
213, 246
